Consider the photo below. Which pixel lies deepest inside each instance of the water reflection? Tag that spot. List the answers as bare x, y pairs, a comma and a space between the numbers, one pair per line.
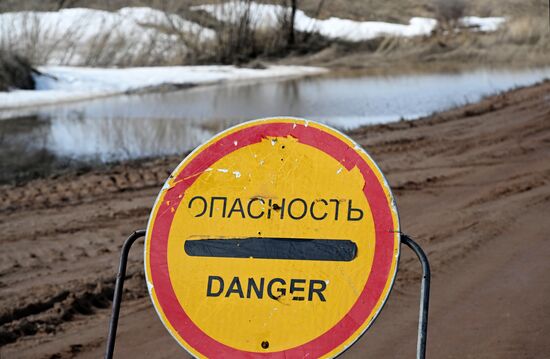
109, 139
138, 126
23, 149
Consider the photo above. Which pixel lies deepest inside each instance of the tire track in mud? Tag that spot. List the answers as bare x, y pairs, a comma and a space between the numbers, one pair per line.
84, 188
46, 315
462, 179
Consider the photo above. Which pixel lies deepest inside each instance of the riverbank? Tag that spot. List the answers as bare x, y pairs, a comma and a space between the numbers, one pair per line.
48, 140
62, 84
522, 42
472, 185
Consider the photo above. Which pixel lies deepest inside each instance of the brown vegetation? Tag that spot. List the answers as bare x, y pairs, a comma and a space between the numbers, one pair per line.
237, 42
520, 42
450, 11
15, 72
523, 40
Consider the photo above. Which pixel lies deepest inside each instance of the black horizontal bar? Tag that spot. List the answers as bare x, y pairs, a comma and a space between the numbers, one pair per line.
273, 248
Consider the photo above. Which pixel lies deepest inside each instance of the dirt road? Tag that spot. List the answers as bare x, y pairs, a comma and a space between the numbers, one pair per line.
472, 185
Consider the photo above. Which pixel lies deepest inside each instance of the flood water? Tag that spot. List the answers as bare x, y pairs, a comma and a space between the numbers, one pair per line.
137, 126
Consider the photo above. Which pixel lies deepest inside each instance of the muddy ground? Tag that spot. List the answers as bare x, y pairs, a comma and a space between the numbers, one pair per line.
472, 185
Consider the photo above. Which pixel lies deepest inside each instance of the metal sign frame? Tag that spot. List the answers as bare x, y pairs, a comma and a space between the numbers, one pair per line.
404, 239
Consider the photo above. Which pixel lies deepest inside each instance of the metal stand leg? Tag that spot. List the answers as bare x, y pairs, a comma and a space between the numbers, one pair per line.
424, 295
119, 284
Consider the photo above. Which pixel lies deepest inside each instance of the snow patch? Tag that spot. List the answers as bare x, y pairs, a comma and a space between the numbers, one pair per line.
486, 24
74, 36
82, 36
267, 16
62, 83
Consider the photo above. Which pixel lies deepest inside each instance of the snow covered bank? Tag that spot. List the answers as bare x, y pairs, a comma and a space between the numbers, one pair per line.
64, 84
267, 16
82, 36
141, 36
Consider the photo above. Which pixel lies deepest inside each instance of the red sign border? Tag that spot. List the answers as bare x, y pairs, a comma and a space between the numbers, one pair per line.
206, 156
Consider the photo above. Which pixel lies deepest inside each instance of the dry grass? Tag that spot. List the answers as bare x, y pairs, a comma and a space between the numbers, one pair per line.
166, 43
46, 43
523, 40
246, 39
527, 31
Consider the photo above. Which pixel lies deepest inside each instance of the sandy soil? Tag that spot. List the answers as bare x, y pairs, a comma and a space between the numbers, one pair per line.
473, 187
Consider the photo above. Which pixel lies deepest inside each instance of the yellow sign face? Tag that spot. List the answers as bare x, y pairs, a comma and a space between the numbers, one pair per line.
278, 237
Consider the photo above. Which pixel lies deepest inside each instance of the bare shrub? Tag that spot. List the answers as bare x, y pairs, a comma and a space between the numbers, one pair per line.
69, 41
527, 31
114, 48
39, 42
188, 49
160, 44
450, 11
15, 72
165, 39
245, 37
236, 41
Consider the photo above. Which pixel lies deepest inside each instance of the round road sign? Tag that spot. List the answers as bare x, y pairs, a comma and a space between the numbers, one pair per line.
278, 237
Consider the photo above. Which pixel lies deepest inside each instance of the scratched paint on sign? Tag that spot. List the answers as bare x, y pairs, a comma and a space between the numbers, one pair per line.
278, 236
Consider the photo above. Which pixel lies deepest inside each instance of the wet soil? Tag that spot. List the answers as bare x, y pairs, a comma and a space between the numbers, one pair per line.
472, 186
